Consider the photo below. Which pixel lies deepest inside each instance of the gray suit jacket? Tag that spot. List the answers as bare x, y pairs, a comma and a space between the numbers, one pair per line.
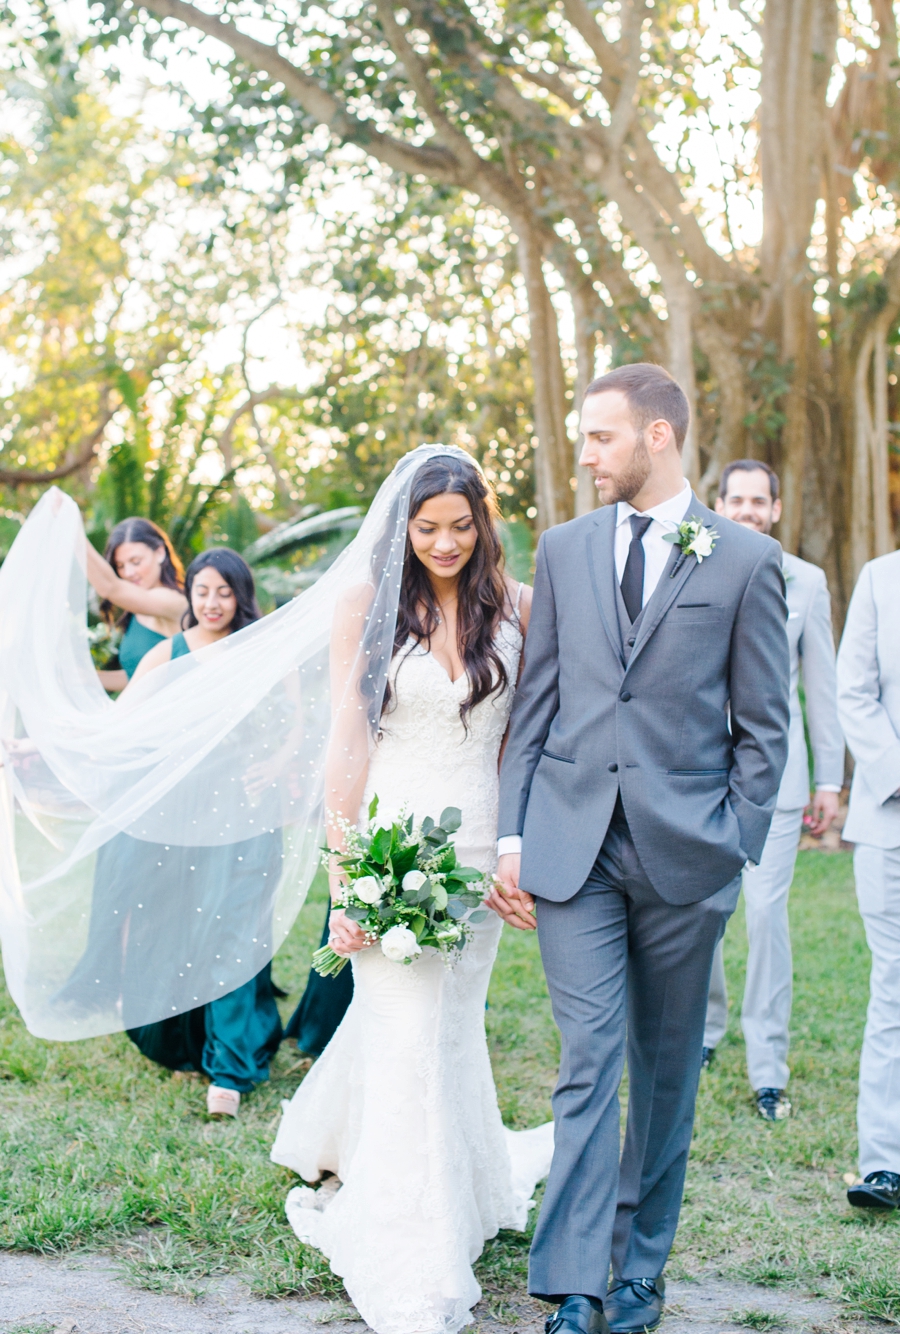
811, 642
590, 722
868, 670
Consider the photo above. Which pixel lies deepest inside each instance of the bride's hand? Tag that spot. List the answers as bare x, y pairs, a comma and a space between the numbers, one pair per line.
508, 901
344, 936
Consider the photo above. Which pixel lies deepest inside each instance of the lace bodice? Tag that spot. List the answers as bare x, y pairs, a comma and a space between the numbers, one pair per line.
426, 758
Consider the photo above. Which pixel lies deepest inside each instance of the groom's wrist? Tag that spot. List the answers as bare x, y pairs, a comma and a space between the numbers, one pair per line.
509, 843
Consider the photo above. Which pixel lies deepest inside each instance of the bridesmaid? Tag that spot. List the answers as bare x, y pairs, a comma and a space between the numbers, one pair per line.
140, 574
231, 1039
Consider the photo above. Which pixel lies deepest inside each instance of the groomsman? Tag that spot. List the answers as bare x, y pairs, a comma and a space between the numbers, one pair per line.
748, 494
869, 703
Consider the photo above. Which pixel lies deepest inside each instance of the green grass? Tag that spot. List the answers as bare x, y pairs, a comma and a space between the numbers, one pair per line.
101, 1149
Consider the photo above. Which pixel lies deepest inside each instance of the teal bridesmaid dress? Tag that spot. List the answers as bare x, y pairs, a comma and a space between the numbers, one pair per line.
113, 869
322, 1007
233, 1038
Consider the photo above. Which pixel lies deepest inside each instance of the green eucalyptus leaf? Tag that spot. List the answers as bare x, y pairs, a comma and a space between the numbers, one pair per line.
381, 843
356, 914
451, 819
456, 909
478, 916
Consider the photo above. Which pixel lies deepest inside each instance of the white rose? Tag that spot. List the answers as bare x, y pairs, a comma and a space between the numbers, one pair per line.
400, 944
368, 888
702, 544
413, 881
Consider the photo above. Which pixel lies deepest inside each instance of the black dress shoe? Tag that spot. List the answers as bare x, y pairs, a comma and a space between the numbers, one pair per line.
634, 1304
706, 1060
880, 1190
584, 1315
772, 1105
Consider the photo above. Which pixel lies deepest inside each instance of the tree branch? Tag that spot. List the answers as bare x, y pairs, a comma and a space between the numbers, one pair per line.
395, 153
20, 477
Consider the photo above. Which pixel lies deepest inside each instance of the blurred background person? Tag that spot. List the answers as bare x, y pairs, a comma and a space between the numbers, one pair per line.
869, 703
233, 1038
748, 494
140, 574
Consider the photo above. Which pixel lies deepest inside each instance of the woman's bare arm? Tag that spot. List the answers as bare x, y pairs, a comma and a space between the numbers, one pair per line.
524, 616
347, 761
114, 681
165, 603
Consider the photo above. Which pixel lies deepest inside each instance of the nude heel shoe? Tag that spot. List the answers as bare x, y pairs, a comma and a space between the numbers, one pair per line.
222, 1102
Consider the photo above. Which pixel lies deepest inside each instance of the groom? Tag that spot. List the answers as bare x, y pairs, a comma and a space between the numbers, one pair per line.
647, 743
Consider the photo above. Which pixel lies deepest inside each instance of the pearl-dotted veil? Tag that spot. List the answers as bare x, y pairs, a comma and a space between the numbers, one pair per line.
155, 850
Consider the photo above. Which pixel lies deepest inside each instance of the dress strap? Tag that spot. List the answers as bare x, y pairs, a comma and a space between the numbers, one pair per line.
518, 599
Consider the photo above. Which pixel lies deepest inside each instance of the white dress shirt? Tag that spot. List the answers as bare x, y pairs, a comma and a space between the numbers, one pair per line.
666, 517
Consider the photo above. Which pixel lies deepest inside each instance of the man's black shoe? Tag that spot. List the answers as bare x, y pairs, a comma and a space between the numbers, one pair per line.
706, 1060
772, 1105
880, 1190
634, 1304
583, 1315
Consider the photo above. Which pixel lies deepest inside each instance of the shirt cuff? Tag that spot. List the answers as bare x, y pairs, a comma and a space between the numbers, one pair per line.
509, 843
827, 787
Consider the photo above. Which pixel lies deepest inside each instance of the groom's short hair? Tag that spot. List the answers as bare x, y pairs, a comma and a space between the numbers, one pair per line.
652, 395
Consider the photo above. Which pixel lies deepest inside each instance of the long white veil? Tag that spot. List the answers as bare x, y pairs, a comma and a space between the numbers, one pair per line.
155, 850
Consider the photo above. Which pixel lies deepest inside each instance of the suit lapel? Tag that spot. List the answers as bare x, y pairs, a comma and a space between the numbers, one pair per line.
602, 568
671, 581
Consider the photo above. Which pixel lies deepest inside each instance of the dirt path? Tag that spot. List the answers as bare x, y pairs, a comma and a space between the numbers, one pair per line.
85, 1295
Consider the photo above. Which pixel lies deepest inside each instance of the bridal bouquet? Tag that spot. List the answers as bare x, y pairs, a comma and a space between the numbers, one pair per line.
406, 889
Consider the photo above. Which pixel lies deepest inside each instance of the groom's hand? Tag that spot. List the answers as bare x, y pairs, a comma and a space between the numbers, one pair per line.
514, 905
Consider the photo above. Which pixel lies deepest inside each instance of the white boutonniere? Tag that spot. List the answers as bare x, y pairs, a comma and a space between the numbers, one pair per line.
693, 538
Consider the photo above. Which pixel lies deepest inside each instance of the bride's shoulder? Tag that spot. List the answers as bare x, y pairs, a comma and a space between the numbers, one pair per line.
518, 602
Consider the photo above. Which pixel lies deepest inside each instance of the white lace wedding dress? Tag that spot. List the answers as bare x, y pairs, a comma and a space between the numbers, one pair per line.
401, 1105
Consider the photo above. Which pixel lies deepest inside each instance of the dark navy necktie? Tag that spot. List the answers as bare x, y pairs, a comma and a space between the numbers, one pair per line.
633, 574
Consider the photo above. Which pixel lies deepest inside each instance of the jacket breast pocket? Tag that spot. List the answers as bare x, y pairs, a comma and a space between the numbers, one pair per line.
695, 613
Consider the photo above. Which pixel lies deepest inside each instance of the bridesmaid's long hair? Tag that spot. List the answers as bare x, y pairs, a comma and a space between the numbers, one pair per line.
145, 531
482, 587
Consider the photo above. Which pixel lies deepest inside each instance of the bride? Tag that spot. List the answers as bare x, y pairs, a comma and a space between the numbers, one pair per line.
400, 1113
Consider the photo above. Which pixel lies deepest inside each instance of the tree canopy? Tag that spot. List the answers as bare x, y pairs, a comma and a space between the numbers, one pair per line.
581, 122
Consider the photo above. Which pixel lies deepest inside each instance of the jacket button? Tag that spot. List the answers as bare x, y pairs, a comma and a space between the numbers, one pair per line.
625, 696
613, 768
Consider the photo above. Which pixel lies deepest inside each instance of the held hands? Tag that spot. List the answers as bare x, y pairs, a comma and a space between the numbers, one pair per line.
514, 905
823, 809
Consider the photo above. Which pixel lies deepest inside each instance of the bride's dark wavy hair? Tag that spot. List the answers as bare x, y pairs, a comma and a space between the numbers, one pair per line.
481, 589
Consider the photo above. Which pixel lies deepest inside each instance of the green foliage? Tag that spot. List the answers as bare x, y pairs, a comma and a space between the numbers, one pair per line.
769, 380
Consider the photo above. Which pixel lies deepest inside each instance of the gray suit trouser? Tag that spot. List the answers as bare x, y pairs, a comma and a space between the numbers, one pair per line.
617, 955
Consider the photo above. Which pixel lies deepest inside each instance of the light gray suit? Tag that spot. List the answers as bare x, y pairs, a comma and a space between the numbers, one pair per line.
869, 703
637, 809
766, 1011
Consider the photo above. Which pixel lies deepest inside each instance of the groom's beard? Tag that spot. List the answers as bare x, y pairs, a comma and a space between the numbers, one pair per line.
627, 483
